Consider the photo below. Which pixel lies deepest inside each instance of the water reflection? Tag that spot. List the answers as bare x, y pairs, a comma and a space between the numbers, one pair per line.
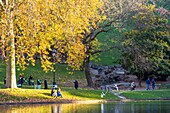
137, 107
118, 107
76, 108
56, 108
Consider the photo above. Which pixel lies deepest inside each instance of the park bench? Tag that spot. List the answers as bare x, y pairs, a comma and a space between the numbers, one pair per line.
116, 86
109, 87
52, 86
165, 86
158, 86
123, 86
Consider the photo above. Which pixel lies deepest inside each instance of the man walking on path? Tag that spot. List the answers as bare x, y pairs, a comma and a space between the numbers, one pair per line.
153, 84
148, 84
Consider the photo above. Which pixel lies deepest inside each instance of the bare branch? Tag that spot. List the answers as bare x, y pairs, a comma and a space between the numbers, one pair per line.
103, 50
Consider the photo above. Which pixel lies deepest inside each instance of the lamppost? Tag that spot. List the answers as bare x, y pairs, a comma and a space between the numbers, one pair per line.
54, 74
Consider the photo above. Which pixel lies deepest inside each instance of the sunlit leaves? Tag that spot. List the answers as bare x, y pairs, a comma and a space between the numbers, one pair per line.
40, 24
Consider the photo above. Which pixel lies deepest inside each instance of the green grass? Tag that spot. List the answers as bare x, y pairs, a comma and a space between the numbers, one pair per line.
90, 94
2, 72
111, 57
144, 95
62, 74
68, 94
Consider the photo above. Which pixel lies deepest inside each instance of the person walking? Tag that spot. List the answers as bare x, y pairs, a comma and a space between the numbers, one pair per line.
30, 80
153, 84
45, 84
148, 84
76, 84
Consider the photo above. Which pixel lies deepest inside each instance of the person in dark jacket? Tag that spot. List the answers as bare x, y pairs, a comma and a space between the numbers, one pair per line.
148, 84
76, 84
30, 79
20, 81
45, 84
153, 83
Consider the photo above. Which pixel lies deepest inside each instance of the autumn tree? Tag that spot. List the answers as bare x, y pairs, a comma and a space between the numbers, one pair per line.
147, 41
114, 14
29, 27
163, 9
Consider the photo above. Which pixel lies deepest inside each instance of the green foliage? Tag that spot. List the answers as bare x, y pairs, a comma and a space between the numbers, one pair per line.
145, 46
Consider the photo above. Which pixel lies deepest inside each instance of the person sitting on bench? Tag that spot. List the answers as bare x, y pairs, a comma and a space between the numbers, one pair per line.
59, 93
133, 86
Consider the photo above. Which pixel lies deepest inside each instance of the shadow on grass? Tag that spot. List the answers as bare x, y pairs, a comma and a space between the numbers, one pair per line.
47, 94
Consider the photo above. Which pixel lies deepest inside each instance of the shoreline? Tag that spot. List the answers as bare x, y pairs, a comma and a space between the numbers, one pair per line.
56, 102
75, 101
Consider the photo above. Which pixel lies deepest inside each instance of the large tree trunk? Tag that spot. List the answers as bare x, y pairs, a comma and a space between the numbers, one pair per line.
10, 68
140, 79
87, 72
140, 82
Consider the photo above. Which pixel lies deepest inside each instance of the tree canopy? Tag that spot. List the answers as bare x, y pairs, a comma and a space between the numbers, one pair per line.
146, 43
30, 27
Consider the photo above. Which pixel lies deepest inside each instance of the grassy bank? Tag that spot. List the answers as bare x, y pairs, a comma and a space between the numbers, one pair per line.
147, 95
72, 95
35, 95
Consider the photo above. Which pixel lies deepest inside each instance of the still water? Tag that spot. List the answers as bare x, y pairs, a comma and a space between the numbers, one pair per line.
116, 107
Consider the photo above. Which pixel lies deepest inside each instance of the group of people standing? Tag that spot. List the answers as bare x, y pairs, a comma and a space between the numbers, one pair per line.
150, 82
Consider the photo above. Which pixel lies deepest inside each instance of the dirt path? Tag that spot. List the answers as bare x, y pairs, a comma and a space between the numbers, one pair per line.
118, 94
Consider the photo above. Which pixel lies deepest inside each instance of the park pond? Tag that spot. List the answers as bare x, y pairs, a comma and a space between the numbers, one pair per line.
111, 107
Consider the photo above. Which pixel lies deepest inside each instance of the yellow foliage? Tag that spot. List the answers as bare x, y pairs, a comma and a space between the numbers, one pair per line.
40, 24
151, 7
